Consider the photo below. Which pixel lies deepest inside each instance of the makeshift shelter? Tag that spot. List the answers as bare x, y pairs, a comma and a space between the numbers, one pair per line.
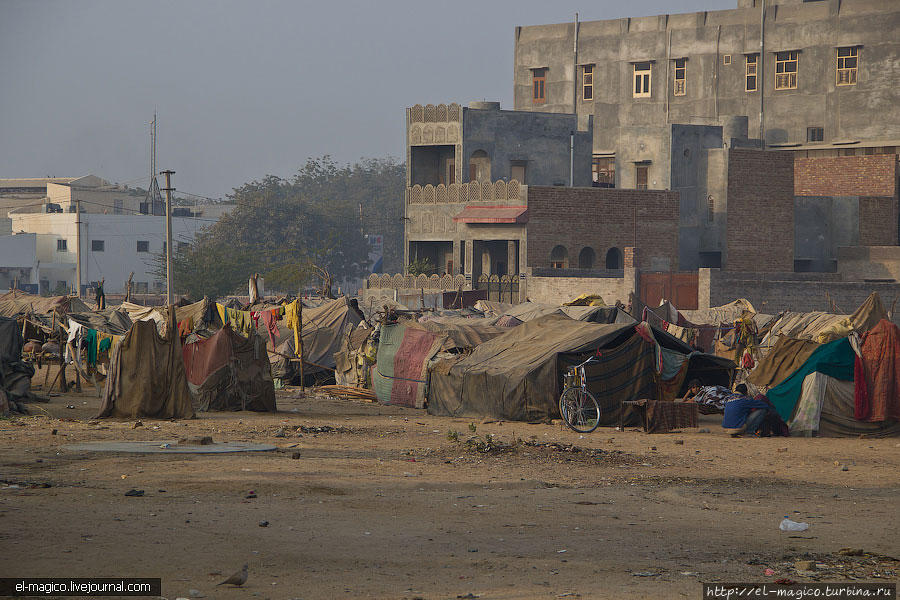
229, 372
528, 311
324, 329
517, 375
16, 302
406, 348
784, 358
837, 392
146, 376
824, 327
353, 362
15, 374
114, 321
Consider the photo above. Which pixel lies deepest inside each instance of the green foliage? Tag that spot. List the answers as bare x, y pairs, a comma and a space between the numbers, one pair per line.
283, 229
421, 266
473, 427
452, 435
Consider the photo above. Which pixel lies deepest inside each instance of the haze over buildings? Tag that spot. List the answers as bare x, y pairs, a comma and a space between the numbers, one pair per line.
247, 89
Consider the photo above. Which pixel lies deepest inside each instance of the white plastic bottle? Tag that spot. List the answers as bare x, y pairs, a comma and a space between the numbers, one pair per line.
788, 525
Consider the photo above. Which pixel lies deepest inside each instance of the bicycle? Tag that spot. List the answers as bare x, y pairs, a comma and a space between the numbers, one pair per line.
577, 406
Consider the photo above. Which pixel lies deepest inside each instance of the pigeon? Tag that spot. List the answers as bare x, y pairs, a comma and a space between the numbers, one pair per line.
238, 579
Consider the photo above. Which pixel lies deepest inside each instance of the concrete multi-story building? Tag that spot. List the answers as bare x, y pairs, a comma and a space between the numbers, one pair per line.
43, 250
468, 173
669, 92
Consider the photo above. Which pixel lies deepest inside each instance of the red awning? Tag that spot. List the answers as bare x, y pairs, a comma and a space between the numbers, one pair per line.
493, 214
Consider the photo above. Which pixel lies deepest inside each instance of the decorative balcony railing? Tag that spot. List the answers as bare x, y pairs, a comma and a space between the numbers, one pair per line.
498, 191
435, 113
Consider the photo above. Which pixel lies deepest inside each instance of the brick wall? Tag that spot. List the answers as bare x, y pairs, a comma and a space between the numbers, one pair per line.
869, 262
877, 221
846, 176
760, 211
601, 219
557, 290
772, 293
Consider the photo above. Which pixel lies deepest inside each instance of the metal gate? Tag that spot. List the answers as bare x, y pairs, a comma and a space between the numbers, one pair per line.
681, 289
503, 288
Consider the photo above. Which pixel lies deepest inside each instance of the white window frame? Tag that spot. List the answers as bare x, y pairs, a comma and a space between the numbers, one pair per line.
646, 79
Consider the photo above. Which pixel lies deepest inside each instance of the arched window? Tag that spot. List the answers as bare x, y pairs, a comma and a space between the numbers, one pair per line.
559, 258
480, 166
613, 259
586, 258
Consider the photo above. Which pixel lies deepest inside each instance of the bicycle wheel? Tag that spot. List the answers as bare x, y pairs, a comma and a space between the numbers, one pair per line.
579, 410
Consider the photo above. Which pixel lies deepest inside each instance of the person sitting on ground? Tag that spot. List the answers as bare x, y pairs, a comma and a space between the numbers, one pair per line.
743, 414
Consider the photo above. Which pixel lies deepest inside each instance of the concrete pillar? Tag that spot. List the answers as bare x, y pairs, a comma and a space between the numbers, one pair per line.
511, 267
632, 274
470, 262
704, 282
485, 261
455, 257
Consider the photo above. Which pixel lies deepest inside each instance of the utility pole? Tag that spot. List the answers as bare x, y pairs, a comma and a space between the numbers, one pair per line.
78, 243
170, 281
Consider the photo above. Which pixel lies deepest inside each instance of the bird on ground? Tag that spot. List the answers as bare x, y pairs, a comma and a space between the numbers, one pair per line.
238, 579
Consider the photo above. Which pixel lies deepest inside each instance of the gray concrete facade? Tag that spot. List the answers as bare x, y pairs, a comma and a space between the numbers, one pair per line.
482, 156
713, 49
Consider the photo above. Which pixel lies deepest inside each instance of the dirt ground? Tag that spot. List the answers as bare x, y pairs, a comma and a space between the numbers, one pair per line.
370, 501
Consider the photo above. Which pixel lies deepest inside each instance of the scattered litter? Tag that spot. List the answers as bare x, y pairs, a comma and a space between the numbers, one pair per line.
295, 455
644, 574
196, 594
851, 552
679, 442
789, 525
263, 523
561, 551
137, 424
769, 572
134, 493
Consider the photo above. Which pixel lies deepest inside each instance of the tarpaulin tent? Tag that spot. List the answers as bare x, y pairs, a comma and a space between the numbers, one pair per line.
15, 374
324, 328
528, 311
834, 359
784, 358
824, 327
146, 376
405, 349
229, 372
114, 321
515, 376
826, 407
16, 302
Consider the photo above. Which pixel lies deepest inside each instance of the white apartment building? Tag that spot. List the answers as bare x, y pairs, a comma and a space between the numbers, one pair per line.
112, 246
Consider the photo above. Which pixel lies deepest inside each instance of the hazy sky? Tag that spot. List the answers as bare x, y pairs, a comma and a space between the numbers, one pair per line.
245, 89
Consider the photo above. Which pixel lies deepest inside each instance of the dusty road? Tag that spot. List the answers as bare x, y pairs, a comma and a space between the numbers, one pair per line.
379, 502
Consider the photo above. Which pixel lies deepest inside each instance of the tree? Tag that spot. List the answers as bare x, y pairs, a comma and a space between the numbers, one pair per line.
420, 266
293, 232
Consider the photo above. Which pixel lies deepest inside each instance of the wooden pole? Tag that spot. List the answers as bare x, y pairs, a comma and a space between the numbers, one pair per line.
300, 338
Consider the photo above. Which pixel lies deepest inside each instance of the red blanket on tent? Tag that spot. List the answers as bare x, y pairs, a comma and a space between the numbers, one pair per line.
878, 393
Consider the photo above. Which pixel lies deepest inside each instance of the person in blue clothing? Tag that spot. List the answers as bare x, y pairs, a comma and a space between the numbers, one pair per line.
743, 414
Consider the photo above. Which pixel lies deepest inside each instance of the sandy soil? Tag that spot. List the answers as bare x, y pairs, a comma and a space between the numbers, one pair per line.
383, 504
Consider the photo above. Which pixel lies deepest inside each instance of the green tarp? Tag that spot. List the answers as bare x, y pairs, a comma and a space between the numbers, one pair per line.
834, 359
